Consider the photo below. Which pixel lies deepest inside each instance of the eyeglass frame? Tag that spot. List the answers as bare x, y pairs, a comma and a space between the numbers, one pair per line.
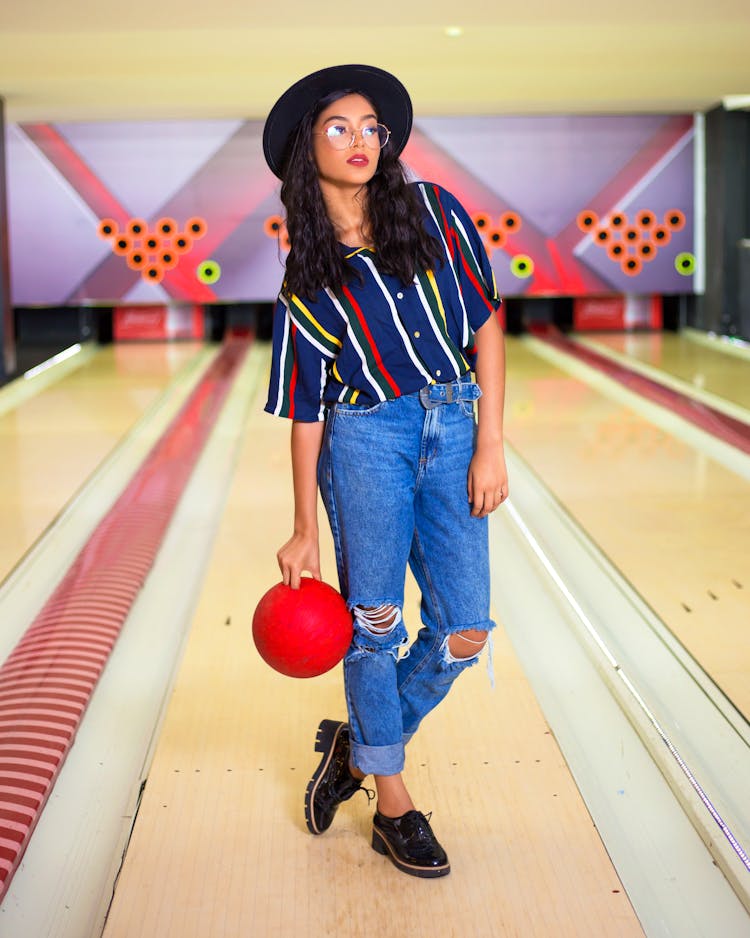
353, 141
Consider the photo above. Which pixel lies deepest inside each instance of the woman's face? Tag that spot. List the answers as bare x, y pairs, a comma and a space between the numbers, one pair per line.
355, 165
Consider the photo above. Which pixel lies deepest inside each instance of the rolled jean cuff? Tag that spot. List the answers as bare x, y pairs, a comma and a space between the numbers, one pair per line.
378, 760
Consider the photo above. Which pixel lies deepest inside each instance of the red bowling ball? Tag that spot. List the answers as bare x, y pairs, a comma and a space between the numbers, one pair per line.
303, 632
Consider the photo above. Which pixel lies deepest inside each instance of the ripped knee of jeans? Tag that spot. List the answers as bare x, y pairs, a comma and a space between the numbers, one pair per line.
378, 628
465, 646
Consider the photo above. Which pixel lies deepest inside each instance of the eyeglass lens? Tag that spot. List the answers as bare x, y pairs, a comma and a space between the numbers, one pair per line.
374, 136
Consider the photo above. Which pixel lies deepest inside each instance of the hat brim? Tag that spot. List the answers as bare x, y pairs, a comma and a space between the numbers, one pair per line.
385, 91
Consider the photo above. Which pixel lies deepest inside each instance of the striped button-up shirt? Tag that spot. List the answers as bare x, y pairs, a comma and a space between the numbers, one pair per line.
373, 341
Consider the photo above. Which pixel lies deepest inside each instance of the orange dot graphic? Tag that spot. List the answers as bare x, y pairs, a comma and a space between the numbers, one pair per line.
674, 219
631, 266
196, 227
136, 227
122, 245
166, 227
273, 225
107, 228
136, 260
154, 273
645, 219
511, 221
587, 220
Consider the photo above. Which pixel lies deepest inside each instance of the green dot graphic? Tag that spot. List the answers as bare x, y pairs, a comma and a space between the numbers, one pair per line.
208, 272
522, 266
685, 264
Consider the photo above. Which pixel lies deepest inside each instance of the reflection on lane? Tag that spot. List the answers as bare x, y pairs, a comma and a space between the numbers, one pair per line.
675, 522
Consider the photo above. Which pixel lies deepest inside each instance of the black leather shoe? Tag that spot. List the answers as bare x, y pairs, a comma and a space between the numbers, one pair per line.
332, 782
409, 844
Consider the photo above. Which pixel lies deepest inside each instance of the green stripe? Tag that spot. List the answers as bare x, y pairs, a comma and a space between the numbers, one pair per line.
468, 255
364, 343
438, 320
313, 328
288, 367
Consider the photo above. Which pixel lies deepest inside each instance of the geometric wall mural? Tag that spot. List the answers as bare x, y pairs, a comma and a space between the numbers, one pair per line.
151, 211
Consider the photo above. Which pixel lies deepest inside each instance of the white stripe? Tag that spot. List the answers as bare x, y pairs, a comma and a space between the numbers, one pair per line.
378, 392
699, 205
323, 382
438, 335
465, 329
300, 324
405, 338
282, 360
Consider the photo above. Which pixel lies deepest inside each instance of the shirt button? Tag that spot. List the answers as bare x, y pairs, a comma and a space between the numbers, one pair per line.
438, 373
399, 296
416, 334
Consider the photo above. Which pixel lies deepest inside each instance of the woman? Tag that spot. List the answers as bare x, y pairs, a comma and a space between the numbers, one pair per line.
388, 305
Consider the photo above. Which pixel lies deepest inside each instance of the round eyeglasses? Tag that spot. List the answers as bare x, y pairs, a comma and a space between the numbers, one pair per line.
341, 137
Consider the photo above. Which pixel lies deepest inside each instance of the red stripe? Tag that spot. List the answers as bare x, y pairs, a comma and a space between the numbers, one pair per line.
37, 725
71, 167
378, 360
446, 227
293, 378
477, 286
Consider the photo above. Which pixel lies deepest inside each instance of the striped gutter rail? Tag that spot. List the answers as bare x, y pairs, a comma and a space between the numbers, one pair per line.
48, 679
720, 425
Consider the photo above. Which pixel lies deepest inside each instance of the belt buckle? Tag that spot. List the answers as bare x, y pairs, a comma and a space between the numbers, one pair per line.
424, 396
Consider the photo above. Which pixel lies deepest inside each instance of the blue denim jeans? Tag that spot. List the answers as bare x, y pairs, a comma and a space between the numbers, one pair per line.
393, 478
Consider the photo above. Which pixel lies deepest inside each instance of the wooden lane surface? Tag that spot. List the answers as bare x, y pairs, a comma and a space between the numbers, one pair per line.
52, 442
722, 374
220, 846
673, 521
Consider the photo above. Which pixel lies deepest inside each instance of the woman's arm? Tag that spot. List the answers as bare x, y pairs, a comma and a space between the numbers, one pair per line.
488, 477
302, 551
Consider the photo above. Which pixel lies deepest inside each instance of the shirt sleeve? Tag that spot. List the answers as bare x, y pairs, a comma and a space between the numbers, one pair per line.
299, 363
471, 263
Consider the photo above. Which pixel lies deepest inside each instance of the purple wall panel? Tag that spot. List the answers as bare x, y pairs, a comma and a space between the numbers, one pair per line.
64, 178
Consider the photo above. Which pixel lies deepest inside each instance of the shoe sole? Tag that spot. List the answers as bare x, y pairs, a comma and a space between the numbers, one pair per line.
325, 742
380, 844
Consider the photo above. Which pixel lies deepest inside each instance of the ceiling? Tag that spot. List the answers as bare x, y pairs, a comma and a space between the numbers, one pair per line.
79, 60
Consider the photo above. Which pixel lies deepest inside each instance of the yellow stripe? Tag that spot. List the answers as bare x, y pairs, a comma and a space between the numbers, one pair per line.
433, 284
301, 306
359, 251
337, 376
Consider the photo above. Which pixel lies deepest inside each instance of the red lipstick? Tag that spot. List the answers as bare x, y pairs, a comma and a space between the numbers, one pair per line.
358, 159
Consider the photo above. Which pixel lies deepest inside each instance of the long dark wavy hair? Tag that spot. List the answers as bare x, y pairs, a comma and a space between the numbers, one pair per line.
393, 212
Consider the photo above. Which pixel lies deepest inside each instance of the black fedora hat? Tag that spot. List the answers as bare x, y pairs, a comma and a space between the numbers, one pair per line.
384, 90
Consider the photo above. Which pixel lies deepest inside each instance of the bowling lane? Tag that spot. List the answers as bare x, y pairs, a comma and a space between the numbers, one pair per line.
675, 522
706, 369
51, 442
220, 846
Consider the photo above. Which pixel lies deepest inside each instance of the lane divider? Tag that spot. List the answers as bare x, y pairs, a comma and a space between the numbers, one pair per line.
48, 679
